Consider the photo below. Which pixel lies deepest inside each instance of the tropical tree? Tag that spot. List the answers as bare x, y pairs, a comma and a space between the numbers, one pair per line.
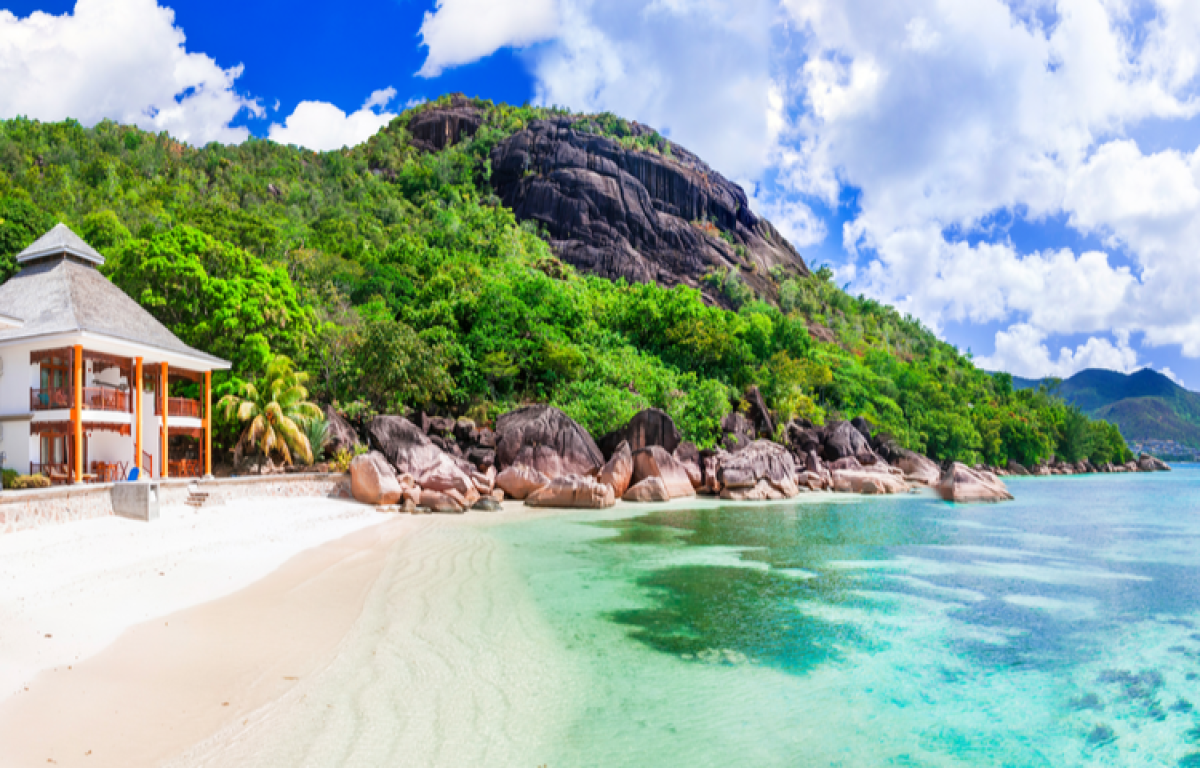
274, 411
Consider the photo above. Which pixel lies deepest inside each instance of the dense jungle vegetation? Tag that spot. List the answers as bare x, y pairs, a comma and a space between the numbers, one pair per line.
396, 280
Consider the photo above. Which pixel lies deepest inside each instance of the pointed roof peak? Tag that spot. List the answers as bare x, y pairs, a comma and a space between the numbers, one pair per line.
60, 240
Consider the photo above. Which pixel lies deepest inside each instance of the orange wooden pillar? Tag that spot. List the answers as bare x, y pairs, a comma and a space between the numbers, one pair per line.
208, 423
137, 417
77, 411
163, 400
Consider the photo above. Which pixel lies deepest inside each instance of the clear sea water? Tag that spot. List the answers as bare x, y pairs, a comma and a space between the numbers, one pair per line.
1062, 629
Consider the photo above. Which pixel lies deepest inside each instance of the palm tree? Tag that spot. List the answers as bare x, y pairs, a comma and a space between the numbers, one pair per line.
273, 412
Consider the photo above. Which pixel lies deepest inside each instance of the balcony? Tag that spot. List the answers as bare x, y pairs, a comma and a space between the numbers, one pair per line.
94, 399
179, 407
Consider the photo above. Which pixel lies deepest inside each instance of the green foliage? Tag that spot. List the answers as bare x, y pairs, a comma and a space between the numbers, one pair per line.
394, 279
28, 482
273, 411
341, 460
7, 476
316, 431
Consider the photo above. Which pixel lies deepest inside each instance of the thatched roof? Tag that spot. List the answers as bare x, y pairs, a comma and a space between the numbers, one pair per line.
60, 240
63, 296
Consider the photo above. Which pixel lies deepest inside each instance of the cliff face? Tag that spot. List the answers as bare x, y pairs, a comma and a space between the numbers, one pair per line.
621, 212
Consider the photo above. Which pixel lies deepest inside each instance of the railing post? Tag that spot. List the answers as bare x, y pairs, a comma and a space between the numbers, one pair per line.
208, 423
137, 417
77, 411
164, 398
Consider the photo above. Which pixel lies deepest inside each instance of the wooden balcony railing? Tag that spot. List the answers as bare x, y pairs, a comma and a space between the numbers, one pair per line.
94, 399
147, 464
185, 468
58, 474
179, 406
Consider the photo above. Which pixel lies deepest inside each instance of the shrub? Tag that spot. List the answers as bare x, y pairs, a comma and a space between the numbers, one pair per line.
27, 482
8, 476
341, 460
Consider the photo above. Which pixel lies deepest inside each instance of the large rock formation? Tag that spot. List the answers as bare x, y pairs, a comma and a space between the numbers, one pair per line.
960, 483
645, 215
520, 481
546, 439
762, 470
646, 428
341, 436
656, 462
573, 492
619, 470
411, 452
373, 481
650, 489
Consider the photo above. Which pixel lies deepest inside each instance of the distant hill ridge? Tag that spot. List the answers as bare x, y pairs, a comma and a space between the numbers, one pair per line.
1145, 405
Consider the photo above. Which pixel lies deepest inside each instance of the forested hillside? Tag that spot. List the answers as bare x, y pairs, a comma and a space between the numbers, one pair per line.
1146, 405
398, 278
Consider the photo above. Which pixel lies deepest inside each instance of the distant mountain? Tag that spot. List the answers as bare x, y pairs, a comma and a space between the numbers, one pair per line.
1146, 405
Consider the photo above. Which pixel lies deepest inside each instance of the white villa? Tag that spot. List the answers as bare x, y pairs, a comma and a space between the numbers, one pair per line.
86, 375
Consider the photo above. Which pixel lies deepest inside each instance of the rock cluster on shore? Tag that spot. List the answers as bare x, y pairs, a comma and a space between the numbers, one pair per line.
541, 456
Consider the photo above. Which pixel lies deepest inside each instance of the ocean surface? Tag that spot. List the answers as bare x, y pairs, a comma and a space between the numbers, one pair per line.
1062, 629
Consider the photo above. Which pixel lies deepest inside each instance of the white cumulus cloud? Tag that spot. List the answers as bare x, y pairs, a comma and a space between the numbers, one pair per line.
119, 59
321, 126
1022, 350
462, 31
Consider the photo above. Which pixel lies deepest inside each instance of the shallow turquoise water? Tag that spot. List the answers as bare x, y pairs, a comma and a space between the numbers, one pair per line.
1061, 629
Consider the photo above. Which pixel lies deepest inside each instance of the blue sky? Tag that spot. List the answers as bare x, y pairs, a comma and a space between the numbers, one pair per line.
1022, 175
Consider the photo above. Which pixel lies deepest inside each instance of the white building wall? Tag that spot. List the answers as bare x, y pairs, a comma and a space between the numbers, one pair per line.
17, 376
151, 432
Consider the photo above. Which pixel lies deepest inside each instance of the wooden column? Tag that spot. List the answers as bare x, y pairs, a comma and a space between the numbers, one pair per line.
166, 406
208, 423
77, 411
137, 417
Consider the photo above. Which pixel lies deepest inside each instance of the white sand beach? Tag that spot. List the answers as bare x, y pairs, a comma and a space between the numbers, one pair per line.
240, 635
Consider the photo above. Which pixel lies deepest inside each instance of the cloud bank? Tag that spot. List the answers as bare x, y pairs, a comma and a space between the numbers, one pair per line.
119, 59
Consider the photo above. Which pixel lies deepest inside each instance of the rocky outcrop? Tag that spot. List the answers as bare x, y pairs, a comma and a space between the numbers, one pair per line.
763, 470
867, 481
842, 440
649, 490
341, 436
545, 438
737, 432
1147, 463
918, 468
411, 452
437, 128
656, 462
760, 417
649, 427
373, 481
688, 456
618, 471
961, 484
573, 492
519, 481
644, 215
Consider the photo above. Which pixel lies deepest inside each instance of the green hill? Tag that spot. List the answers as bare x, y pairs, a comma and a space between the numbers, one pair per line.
471, 257
1146, 405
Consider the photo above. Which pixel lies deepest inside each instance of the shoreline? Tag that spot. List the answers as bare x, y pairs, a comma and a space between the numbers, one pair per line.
392, 605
